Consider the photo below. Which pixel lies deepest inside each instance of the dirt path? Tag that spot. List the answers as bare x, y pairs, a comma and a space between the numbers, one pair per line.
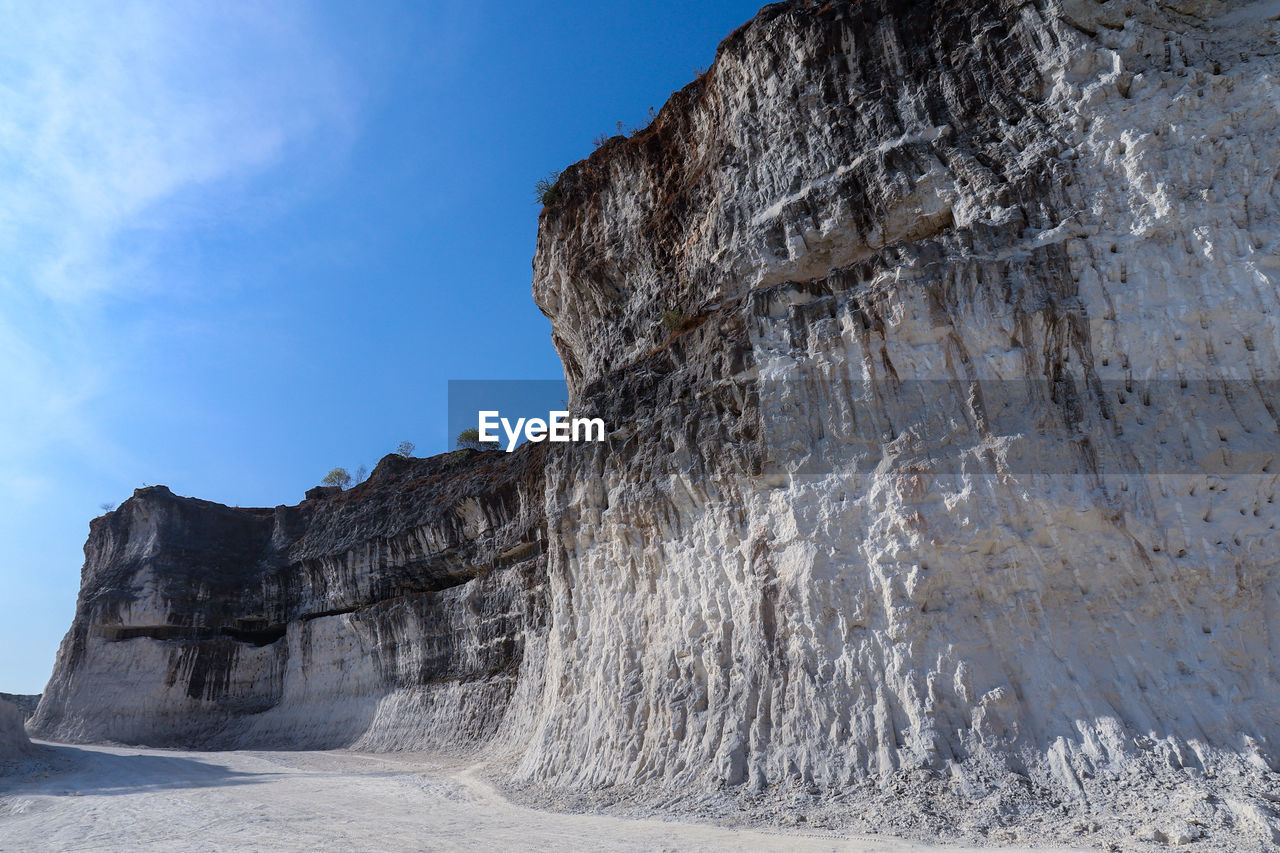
110, 798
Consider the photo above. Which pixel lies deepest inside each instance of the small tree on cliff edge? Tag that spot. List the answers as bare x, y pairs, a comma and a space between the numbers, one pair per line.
337, 477
469, 439
406, 449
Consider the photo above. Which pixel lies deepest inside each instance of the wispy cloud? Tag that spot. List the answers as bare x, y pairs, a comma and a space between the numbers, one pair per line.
111, 111
123, 124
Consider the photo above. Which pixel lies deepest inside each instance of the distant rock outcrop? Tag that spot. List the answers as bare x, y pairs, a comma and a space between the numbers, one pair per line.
389, 615
14, 742
23, 702
939, 344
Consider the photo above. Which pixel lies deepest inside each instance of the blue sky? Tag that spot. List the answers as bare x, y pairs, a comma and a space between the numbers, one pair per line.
246, 242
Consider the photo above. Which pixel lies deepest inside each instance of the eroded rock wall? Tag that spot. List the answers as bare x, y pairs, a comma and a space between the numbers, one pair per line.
14, 742
958, 458
390, 615
24, 702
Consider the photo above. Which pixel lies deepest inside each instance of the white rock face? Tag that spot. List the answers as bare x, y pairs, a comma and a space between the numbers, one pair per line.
1013, 526
14, 742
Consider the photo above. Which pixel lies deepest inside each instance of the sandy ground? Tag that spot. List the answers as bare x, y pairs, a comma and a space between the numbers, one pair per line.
127, 798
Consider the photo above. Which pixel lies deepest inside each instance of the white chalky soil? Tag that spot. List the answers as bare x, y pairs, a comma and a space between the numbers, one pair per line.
128, 798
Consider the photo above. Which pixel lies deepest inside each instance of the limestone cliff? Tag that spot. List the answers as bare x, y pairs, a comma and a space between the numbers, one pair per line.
938, 345
25, 703
13, 737
388, 615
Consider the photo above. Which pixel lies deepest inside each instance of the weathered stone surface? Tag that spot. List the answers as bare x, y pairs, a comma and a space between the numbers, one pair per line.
14, 742
374, 613
23, 702
987, 292
938, 346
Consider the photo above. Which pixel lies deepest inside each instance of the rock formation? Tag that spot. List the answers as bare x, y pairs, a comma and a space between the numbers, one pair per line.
13, 736
23, 702
938, 343
388, 615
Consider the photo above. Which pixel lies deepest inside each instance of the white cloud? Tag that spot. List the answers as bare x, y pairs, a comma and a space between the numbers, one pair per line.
129, 131
123, 124
111, 111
